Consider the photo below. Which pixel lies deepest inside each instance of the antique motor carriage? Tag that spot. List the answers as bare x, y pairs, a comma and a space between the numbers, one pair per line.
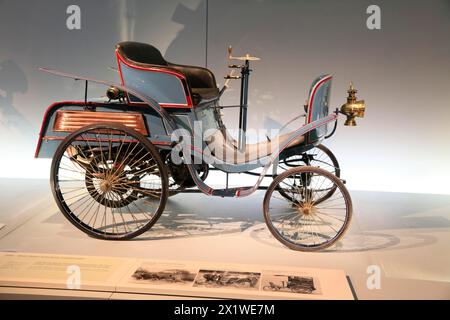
160, 132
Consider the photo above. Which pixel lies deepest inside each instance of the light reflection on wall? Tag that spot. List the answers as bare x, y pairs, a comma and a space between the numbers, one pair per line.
402, 71
40, 38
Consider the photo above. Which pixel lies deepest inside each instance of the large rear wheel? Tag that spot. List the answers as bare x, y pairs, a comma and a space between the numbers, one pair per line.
109, 181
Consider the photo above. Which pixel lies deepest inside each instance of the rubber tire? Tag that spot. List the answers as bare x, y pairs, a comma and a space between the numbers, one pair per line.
322, 172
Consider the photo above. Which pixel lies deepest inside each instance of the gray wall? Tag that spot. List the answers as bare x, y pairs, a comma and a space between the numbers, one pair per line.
402, 71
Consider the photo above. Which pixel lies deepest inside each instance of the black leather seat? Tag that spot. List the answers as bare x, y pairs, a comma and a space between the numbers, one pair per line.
201, 81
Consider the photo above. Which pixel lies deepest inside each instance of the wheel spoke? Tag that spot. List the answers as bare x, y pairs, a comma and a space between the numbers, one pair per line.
311, 217
101, 174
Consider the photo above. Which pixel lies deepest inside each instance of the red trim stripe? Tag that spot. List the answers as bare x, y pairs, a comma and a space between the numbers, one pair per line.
312, 95
178, 75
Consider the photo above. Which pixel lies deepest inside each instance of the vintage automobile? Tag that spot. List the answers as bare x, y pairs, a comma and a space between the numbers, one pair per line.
159, 133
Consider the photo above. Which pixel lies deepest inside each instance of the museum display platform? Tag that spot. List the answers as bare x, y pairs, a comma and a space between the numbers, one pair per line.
404, 236
23, 273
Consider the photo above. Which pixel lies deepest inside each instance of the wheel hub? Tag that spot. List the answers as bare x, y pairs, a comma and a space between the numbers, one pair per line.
105, 186
306, 209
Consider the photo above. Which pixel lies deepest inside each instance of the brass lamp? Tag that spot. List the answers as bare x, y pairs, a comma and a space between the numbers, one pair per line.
353, 108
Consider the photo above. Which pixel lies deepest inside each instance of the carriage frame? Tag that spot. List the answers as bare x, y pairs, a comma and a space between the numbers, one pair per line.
157, 105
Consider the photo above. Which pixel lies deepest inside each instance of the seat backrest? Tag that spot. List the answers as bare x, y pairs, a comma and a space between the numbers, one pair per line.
318, 106
141, 53
143, 68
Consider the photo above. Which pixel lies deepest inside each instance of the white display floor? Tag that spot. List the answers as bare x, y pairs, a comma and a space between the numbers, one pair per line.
406, 236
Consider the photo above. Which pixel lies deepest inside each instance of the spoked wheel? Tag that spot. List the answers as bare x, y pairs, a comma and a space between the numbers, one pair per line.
180, 177
319, 156
109, 181
95, 183
301, 222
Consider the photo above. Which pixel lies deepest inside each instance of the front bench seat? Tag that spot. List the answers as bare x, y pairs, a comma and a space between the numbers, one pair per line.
201, 81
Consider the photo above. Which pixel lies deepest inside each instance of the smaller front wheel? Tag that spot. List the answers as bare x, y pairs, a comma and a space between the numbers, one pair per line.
319, 156
305, 221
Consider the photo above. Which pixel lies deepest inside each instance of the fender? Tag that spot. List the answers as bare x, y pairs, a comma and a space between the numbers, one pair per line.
148, 100
55, 138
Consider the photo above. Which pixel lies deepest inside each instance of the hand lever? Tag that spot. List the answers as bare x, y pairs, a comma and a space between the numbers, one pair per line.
229, 76
247, 57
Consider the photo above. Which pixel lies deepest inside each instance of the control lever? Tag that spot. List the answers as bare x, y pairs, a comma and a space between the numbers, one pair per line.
243, 67
231, 77
247, 57
230, 50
